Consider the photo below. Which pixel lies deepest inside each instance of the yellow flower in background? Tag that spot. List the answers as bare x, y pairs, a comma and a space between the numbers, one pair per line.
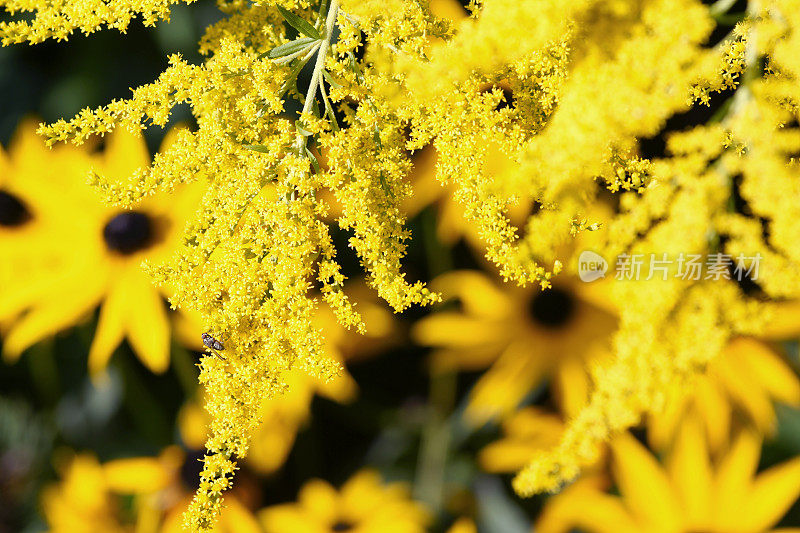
85, 252
141, 494
685, 494
36, 193
528, 430
747, 377
463, 525
284, 415
363, 505
81, 501
524, 336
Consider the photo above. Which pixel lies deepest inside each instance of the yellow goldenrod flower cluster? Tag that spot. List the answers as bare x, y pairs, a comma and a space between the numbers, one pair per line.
60, 18
566, 94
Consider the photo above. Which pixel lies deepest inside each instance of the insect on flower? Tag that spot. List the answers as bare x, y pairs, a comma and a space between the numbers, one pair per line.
213, 344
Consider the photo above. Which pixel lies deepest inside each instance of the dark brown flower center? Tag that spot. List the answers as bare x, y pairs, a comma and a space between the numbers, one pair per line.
342, 525
12, 210
553, 307
129, 232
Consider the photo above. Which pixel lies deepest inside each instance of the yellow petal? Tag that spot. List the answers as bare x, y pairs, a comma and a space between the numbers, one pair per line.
690, 472
342, 388
148, 515
662, 425
501, 389
193, 425
236, 518
125, 152
771, 495
188, 328
272, 442
455, 329
715, 410
479, 295
528, 430
768, 369
572, 386
744, 389
138, 475
583, 507
173, 521
110, 329
59, 312
427, 188
319, 499
463, 525
288, 518
732, 480
785, 322
656, 507
41, 285
474, 358
147, 324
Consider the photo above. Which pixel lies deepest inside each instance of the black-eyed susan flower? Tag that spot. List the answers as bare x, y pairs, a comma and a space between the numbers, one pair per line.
142, 494
523, 336
364, 504
84, 252
37, 188
748, 377
685, 493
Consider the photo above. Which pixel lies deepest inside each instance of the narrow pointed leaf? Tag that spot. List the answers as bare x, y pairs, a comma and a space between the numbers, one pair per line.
301, 130
299, 24
330, 80
290, 48
314, 162
257, 148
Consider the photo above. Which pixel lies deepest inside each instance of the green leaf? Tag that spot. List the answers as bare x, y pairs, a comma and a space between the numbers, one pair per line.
257, 148
299, 24
323, 8
290, 48
330, 80
301, 130
314, 162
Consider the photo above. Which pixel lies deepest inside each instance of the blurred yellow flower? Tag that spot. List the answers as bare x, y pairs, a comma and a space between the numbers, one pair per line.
36, 187
75, 252
142, 494
463, 525
748, 376
363, 505
688, 493
528, 430
523, 335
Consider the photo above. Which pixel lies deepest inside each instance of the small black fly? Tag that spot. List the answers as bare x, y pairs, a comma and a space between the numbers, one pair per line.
213, 344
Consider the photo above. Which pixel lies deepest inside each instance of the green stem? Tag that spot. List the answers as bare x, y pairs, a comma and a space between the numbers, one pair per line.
720, 7
319, 66
432, 463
